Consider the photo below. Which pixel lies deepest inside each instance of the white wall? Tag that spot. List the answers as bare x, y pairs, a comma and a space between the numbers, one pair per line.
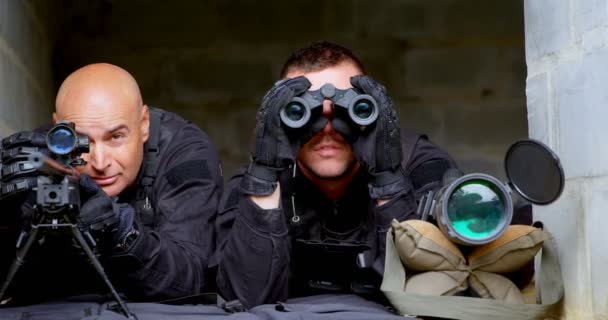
567, 97
26, 97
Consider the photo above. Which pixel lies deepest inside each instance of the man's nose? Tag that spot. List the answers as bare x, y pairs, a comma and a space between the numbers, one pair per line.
98, 158
328, 109
328, 112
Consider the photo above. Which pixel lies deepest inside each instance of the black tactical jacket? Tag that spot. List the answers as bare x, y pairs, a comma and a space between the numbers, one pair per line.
311, 244
170, 257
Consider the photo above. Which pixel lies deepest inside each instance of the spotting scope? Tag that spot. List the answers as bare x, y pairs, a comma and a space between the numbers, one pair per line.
475, 209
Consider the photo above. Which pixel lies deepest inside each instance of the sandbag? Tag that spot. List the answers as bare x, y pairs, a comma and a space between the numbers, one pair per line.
550, 292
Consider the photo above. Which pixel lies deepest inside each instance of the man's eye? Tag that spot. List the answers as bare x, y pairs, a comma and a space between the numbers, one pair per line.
118, 136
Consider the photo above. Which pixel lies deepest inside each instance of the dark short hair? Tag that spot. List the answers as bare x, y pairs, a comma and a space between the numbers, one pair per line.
318, 56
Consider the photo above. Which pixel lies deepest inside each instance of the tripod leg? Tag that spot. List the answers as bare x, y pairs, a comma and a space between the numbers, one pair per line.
99, 268
19, 260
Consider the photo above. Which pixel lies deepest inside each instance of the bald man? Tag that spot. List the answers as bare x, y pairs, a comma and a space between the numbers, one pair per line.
149, 193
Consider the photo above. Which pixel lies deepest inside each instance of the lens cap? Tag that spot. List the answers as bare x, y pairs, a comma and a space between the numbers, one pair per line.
534, 171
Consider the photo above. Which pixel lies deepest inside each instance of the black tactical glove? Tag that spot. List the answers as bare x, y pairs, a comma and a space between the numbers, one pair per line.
17, 175
276, 145
378, 146
108, 221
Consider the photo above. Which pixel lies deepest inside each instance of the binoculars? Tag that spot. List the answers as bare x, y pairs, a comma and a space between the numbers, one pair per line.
362, 108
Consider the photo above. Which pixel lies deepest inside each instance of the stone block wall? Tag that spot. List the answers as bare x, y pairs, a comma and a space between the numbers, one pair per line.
455, 69
566, 55
26, 97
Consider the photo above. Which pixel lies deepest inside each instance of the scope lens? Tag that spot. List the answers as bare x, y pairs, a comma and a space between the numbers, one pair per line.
295, 111
363, 109
476, 209
61, 140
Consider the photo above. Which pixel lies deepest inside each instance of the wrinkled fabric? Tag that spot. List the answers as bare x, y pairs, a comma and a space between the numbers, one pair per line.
323, 307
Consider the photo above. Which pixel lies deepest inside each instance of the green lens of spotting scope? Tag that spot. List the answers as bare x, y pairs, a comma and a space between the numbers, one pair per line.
476, 209
295, 111
363, 109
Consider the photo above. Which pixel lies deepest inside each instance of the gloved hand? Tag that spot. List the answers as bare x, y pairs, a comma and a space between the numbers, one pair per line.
17, 176
276, 146
108, 221
378, 146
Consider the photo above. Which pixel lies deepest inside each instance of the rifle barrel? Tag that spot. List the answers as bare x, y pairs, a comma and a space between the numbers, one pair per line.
50, 166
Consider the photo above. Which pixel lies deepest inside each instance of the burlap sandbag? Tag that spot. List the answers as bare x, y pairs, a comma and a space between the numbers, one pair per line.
423, 247
494, 286
510, 252
428, 303
439, 268
437, 283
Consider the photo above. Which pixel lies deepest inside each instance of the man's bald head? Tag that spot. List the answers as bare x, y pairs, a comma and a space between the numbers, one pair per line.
93, 82
105, 103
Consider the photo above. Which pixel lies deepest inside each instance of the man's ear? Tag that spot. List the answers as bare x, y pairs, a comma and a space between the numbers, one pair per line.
145, 123
54, 118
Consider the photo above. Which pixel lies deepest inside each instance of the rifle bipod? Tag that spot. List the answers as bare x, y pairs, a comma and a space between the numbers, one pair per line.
80, 239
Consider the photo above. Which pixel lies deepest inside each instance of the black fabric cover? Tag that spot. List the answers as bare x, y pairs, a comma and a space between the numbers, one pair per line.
322, 307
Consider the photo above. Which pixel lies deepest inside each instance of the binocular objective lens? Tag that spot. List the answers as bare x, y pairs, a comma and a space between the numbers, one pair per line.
476, 210
295, 111
363, 109
61, 140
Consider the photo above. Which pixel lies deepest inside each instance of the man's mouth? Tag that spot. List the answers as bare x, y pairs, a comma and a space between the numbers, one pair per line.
327, 149
105, 181
326, 146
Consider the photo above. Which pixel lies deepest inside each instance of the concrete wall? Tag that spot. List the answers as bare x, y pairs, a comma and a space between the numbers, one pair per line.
26, 85
455, 68
567, 58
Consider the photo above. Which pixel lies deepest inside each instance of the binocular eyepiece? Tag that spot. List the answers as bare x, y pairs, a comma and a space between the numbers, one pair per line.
63, 140
362, 108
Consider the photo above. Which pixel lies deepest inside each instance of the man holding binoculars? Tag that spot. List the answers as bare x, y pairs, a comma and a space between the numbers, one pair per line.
330, 169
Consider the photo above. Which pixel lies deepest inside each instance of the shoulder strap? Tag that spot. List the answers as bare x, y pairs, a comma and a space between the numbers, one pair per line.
549, 279
149, 166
